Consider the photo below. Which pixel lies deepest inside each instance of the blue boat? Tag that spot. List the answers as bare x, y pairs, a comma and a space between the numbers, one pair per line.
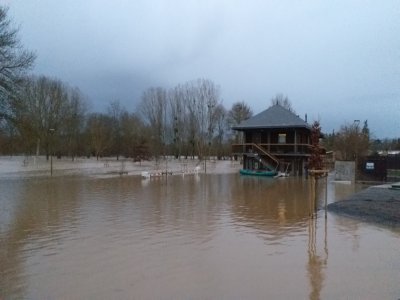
266, 173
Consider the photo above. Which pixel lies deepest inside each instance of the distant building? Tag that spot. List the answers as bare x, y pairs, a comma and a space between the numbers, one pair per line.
389, 152
275, 139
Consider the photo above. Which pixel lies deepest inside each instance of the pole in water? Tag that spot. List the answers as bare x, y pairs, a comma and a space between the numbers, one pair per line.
326, 196
51, 130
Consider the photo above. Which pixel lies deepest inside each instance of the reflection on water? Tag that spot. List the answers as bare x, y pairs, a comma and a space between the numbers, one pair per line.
207, 237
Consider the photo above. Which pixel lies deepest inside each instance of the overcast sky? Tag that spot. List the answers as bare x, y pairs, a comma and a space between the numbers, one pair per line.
337, 61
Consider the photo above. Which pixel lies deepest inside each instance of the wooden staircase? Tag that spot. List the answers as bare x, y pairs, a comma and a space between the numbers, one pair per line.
262, 155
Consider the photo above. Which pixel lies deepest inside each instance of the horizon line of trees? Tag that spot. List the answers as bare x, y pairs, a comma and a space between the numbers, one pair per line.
46, 116
352, 142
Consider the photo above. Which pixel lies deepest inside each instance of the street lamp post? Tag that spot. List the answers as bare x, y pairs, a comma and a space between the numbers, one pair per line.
356, 146
51, 130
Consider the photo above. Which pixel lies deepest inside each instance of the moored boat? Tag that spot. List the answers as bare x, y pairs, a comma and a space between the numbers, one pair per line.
266, 173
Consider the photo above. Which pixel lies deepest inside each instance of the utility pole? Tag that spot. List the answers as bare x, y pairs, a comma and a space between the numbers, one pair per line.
51, 130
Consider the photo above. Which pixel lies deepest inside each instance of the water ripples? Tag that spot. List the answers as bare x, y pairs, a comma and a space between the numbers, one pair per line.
207, 237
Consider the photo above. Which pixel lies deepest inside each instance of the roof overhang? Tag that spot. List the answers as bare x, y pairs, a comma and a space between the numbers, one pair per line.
243, 128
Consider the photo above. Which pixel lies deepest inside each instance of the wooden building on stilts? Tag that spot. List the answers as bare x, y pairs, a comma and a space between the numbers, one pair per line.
274, 140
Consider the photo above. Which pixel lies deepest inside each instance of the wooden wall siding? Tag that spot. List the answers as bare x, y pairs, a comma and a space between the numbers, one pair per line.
293, 136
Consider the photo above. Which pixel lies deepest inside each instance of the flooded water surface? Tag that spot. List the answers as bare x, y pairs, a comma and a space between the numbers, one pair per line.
193, 237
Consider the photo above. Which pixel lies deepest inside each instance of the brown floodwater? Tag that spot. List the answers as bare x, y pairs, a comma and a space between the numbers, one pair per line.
193, 237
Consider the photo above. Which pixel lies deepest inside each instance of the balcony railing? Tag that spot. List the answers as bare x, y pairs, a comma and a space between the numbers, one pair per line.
274, 149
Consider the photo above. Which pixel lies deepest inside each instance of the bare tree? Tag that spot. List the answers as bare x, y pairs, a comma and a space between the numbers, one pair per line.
239, 112
208, 101
115, 111
74, 122
99, 132
283, 101
14, 61
134, 136
182, 121
351, 142
10, 141
41, 111
153, 109
192, 118
201, 99
178, 109
220, 116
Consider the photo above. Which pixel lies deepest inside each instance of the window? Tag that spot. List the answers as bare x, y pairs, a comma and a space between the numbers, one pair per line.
282, 138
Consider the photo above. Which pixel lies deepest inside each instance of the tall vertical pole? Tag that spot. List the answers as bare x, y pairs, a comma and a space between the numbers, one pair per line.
205, 163
51, 130
326, 196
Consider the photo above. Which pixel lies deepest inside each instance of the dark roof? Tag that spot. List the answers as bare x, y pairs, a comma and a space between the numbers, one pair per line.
274, 117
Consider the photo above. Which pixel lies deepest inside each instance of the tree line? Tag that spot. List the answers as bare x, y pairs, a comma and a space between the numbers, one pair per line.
46, 116
354, 141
